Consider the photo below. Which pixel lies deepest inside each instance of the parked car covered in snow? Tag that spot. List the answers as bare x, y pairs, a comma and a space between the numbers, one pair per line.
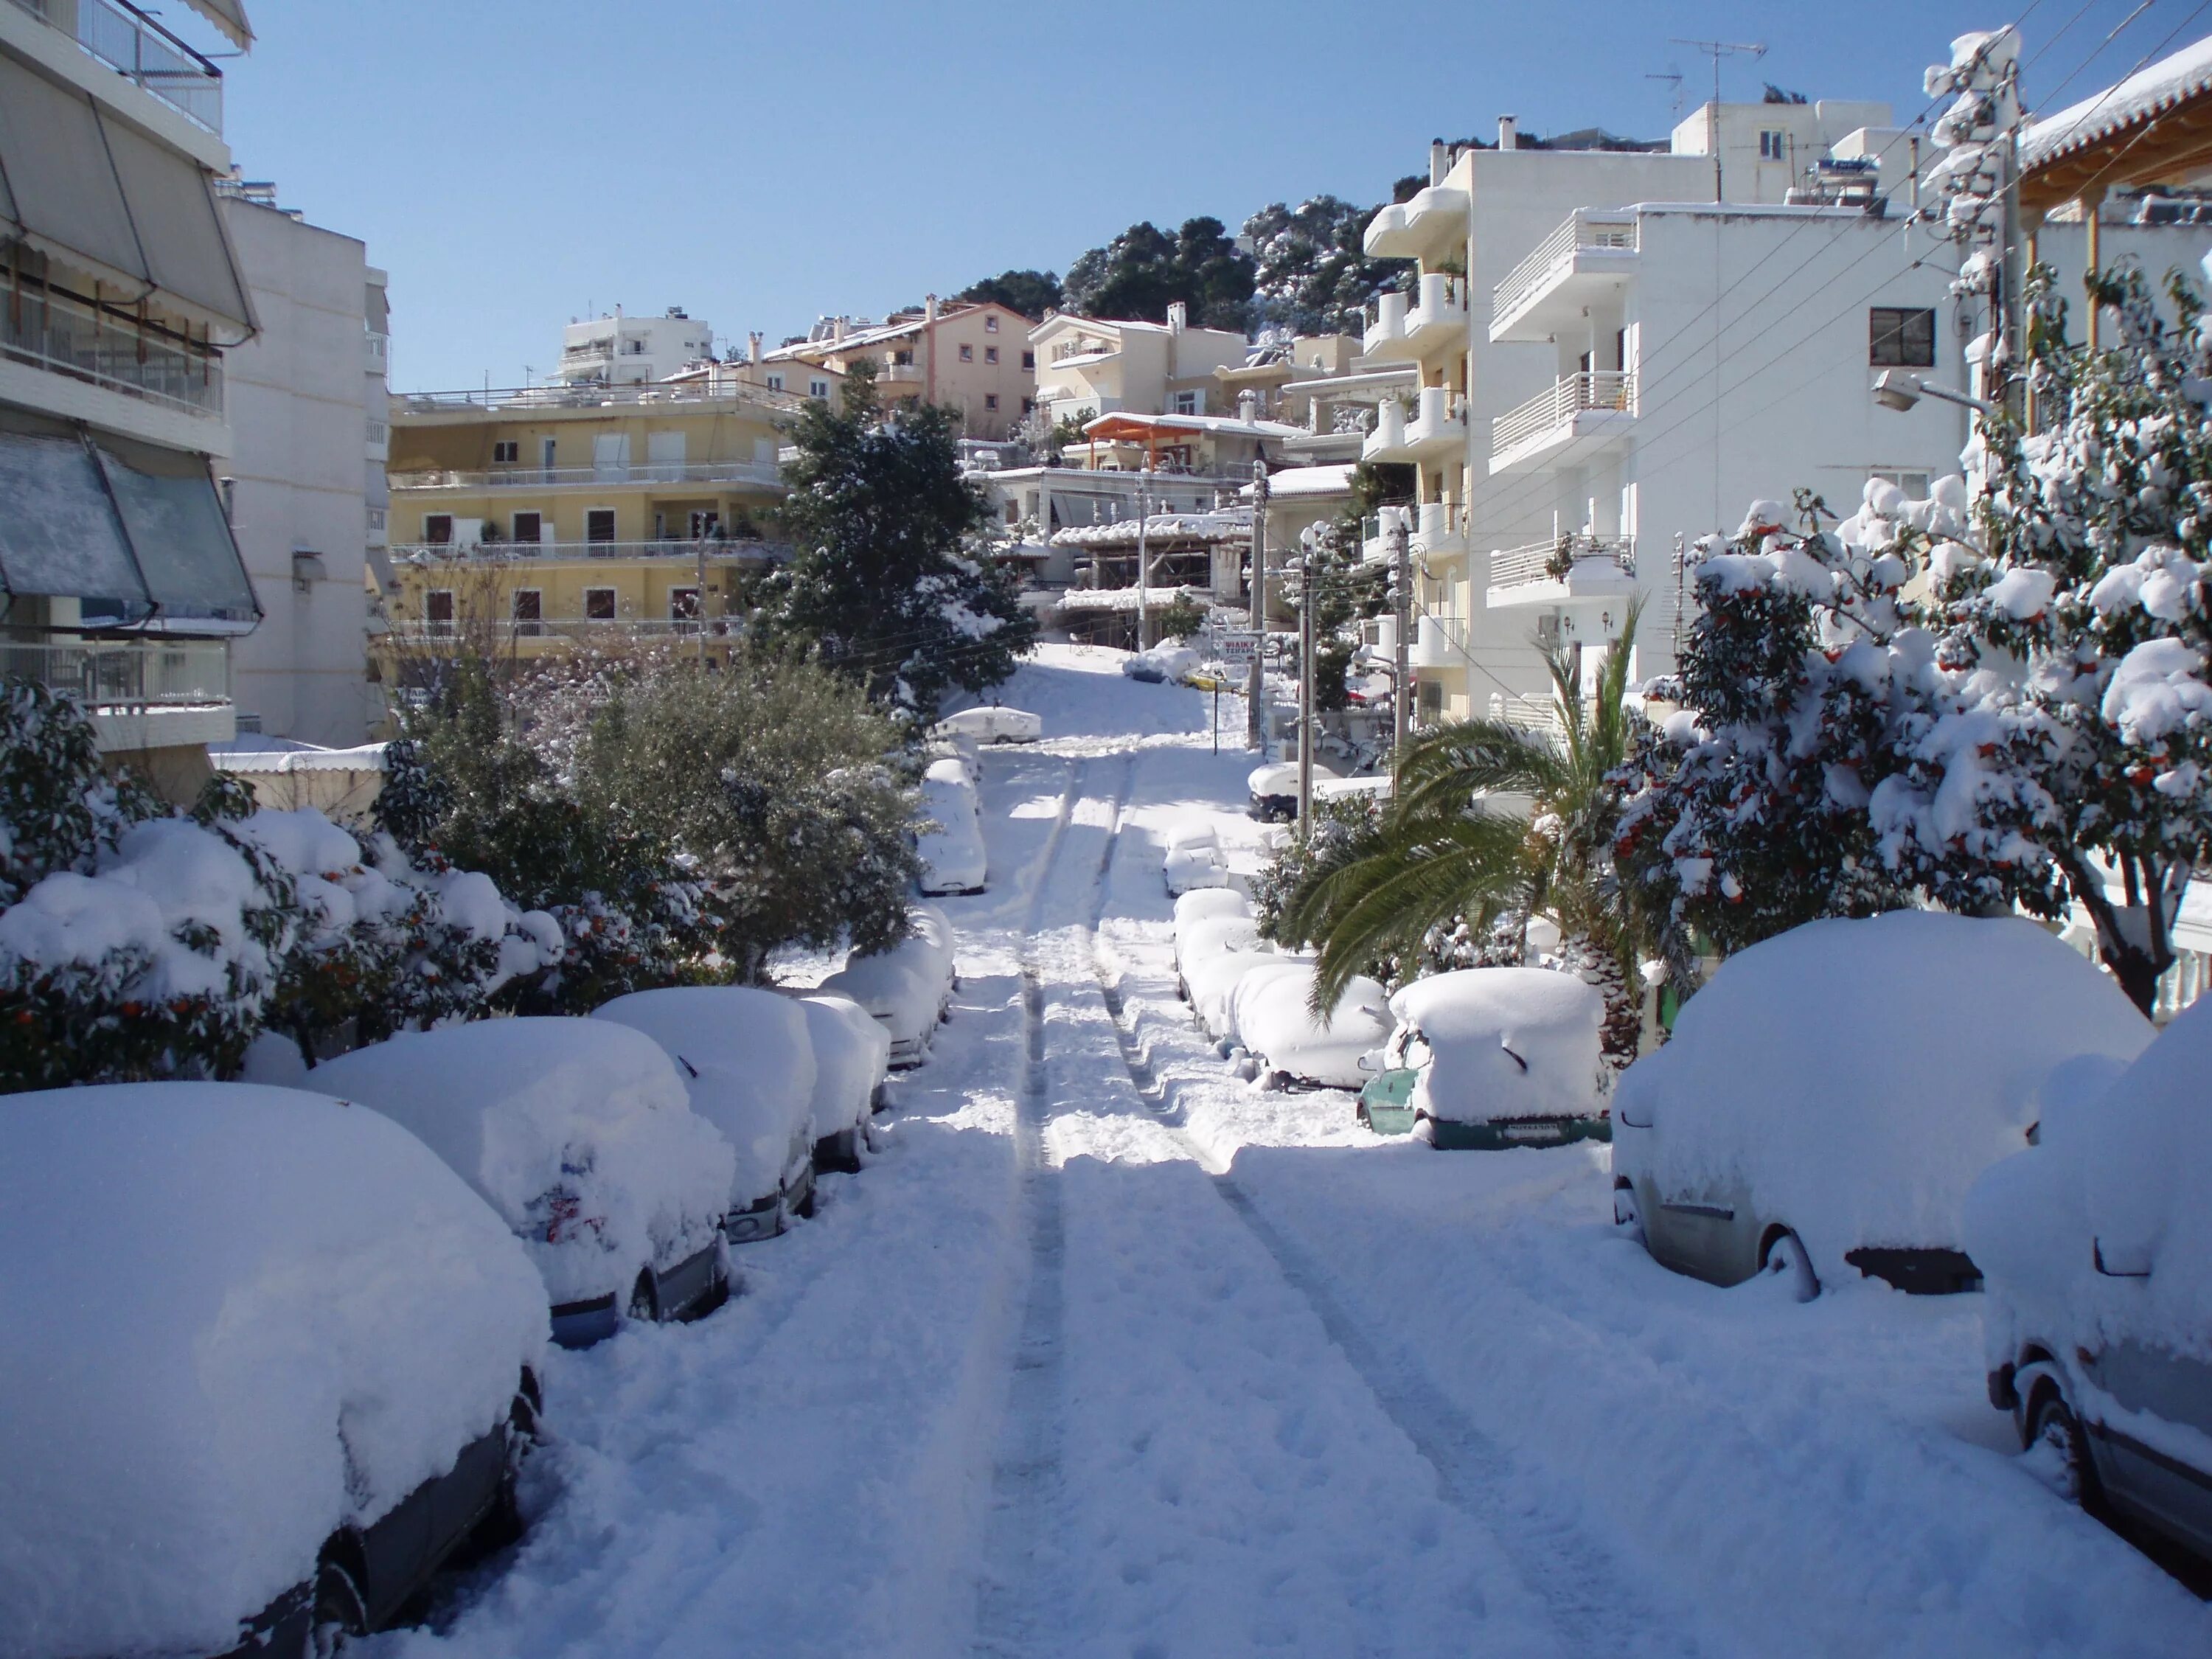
909, 988
952, 856
2095, 1247
852, 1052
1170, 659
1274, 790
1215, 986
991, 724
1488, 1058
581, 1135
1829, 1098
1192, 859
1202, 903
748, 1063
305, 1388
1272, 1019
1214, 936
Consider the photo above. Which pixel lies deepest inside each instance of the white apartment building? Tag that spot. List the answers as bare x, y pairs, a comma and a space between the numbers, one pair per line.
1625, 366
1090, 366
309, 419
625, 350
118, 574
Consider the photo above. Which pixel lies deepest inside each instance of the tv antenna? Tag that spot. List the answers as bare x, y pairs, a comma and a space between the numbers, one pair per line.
1673, 78
1717, 50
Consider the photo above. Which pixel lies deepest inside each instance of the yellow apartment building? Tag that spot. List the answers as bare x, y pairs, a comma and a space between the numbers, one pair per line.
527, 519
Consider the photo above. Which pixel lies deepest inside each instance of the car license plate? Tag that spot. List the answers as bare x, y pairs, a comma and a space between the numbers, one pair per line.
1529, 1131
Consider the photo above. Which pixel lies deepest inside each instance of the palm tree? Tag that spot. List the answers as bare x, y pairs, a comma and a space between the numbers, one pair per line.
1448, 849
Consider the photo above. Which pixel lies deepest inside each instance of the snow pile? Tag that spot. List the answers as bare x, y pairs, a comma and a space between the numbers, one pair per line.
1496, 1044
2119, 1176
748, 1064
1272, 1019
1859, 1076
577, 1132
852, 1052
951, 848
326, 1317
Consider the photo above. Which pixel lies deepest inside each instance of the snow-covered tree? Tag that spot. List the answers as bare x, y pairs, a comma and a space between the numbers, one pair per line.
887, 584
1311, 273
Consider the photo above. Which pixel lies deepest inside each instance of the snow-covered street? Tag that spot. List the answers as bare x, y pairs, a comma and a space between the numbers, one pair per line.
1107, 1351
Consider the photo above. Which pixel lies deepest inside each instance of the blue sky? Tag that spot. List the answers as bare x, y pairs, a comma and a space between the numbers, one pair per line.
514, 163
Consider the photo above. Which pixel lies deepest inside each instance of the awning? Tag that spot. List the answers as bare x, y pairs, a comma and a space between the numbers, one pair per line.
229, 16
90, 189
134, 534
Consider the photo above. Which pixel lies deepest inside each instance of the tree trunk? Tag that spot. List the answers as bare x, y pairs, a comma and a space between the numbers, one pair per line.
1622, 1033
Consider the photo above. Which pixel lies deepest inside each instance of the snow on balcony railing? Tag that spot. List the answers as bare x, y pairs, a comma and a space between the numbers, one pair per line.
136, 47
125, 673
1609, 390
1555, 558
503, 477
1582, 230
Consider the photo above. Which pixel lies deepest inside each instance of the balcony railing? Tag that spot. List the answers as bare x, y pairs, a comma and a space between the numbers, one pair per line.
1579, 232
133, 45
506, 629
729, 547
1437, 297
763, 473
1554, 560
1609, 390
125, 673
1069, 349
51, 328
1537, 714
594, 396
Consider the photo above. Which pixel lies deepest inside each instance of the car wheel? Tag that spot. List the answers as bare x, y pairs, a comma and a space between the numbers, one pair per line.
339, 1614
1785, 1260
644, 1298
2052, 1425
1627, 1213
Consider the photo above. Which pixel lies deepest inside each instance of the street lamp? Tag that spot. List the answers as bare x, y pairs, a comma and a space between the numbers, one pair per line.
1894, 389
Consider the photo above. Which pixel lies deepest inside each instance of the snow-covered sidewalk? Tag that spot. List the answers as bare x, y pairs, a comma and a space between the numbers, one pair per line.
1108, 1353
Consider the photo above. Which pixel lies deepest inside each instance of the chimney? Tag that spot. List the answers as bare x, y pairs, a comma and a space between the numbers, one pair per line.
837, 331
1508, 132
1178, 316
929, 308
754, 339
1248, 406
1439, 160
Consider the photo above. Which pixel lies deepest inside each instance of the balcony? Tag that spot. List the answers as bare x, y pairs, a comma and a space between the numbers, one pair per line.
66, 333
1439, 423
140, 50
1439, 643
554, 630
898, 374
1437, 317
1440, 530
555, 396
1375, 537
686, 552
1563, 570
1413, 229
1596, 406
758, 474
1586, 262
1384, 338
141, 694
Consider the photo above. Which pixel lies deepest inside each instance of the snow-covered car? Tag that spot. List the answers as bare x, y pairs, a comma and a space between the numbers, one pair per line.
1488, 1058
1170, 659
1217, 987
1830, 1097
1214, 936
581, 1135
305, 1388
1274, 789
747, 1061
2095, 1247
1202, 903
1296, 1046
852, 1052
951, 848
1191, 858
931, 942
900, 994
991, 724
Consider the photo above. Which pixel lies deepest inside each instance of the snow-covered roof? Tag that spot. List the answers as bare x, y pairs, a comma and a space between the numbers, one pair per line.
1228, 525
1304, 481
2149, 92
1219, 425
1125, 598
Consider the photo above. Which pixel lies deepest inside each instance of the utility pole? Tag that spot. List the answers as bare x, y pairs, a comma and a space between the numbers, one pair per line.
1401, 608
699, 543
1256, 694
1717, 50
1308, 543
1144, 582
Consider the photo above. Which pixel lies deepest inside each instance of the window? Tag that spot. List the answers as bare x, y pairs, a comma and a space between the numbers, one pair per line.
967, 354
376, 518
1028, 360
1772, 145
1183, 403
529, 613
817, 388
506, 451
545, 454
598, 604
683, 607
991, 323
902, 359
990, 400
634, 347
705, 523
1914, 484
990, 354
438, 529
530, 527
377, 432
438, 609
1028, 405
775, 383
1432, 700
599, 525
1013, 512
1901, 336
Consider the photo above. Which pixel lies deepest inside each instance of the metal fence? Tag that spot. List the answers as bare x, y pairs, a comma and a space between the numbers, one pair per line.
125, 673
132, 43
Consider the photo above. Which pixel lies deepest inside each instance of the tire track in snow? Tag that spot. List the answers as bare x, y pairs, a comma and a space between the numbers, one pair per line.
1026, 1478
1571, 1574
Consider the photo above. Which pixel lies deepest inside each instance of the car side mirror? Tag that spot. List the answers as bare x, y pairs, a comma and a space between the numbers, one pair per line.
2121, 1264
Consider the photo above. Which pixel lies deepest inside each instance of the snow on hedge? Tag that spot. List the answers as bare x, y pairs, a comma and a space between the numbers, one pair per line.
1859, 1076
241, 1318
578, 1131
1501, 1043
